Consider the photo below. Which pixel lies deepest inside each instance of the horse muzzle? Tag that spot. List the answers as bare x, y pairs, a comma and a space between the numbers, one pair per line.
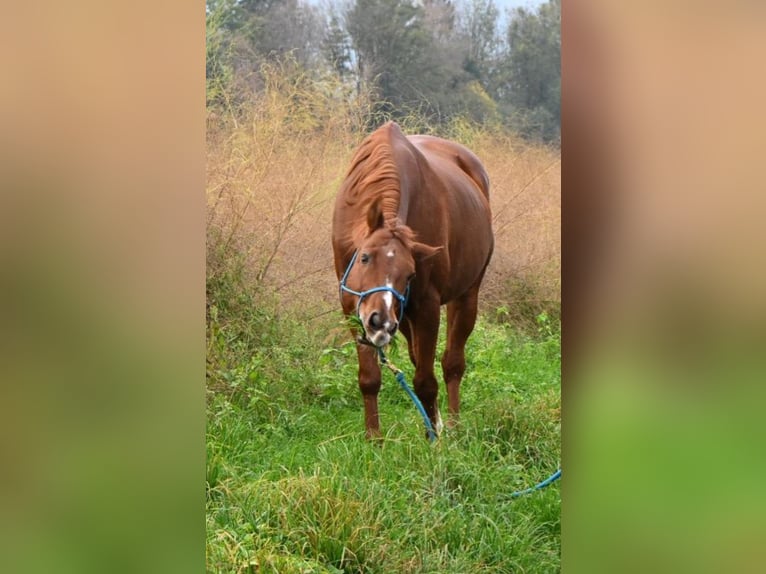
378, 331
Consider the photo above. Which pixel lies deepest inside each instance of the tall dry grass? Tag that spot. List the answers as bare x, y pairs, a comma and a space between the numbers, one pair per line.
275, 163
524, 277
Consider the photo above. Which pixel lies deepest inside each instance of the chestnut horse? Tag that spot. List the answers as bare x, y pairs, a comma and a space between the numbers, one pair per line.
412, 231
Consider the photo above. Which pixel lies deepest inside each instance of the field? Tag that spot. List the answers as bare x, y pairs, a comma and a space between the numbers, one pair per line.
292, 486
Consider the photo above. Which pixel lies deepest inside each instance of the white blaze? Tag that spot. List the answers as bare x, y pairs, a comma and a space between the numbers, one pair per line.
382, 337
388, 298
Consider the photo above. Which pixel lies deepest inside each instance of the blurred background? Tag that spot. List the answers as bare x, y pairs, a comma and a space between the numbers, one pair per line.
663, 296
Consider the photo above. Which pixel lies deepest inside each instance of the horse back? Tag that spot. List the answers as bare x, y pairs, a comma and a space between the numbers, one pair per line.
458, 184
457, 154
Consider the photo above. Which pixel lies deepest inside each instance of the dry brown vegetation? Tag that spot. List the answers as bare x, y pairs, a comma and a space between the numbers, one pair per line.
274, 166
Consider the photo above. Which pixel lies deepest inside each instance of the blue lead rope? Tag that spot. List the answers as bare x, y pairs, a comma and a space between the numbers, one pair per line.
432, 434
400, 375
551, 479
403, 383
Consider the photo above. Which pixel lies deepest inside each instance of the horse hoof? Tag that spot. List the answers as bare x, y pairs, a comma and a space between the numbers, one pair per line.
374, 437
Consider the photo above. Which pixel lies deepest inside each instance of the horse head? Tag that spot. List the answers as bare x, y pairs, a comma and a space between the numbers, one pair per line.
381, 273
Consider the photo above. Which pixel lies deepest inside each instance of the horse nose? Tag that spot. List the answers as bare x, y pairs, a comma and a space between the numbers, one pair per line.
375, 321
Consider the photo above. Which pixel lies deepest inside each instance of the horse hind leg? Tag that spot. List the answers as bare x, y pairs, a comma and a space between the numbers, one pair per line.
461, 318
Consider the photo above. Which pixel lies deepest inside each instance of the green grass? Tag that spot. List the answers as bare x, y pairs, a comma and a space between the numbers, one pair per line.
292, 486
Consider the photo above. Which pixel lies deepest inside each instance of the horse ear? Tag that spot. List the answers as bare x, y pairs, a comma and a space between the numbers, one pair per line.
375, 216
421, 251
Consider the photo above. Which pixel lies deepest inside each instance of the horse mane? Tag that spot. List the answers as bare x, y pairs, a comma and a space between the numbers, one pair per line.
374, 177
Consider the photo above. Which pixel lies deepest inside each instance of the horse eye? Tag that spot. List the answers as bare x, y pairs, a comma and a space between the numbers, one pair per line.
364, 258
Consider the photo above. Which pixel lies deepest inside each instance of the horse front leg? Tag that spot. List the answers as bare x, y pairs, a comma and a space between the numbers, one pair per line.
406, 330
425, 332
369, 385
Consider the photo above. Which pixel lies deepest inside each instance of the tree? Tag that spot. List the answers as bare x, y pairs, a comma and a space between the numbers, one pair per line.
412, 55
219, 68
336, 47
532, 83
395, 53
259, 30
439, 16
478, 27
422, 58
290, 26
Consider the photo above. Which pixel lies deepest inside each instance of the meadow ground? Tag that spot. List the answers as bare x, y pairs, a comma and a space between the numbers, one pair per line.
292, 486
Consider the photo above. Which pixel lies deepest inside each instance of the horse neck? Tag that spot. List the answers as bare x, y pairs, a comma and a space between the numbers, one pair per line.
404, 198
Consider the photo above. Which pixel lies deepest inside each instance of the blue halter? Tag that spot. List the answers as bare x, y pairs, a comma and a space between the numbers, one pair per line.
362, 294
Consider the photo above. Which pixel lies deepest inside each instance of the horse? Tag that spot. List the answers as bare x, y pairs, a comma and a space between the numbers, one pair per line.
412, 231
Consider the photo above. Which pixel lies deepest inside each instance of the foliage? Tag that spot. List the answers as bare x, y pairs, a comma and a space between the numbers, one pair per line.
336, 46
395, 53
219, 71
479, 26
433, 59
533, 70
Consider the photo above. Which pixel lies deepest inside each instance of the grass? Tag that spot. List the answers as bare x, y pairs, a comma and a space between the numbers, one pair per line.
292, 486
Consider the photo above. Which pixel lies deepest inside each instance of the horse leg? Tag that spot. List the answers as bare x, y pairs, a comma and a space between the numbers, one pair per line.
461, 318
425, 332
369, 385
406, 330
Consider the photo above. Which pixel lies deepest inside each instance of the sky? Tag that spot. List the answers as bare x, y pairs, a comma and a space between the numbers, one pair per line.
505, 5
